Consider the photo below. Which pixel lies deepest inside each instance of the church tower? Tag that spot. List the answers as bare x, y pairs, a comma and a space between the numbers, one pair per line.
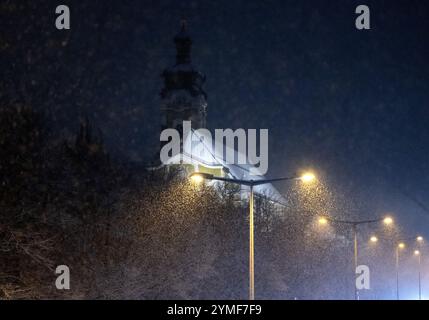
183, 98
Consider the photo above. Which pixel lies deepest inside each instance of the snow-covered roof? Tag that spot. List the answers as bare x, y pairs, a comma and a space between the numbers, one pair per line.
198, 149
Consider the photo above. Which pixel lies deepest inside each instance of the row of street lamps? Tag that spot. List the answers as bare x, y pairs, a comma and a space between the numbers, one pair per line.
198, 177
399, 245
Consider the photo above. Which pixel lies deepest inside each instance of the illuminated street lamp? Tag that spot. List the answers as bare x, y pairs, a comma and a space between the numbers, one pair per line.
373, 239
199, 177
354, 224
323, 221
308, 177
388, 221
418, 239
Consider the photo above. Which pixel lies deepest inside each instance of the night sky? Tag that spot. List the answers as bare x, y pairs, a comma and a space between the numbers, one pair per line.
352, 105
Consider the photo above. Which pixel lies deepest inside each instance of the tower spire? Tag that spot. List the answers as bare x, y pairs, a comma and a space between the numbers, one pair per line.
183, 96
183, 24
183, 44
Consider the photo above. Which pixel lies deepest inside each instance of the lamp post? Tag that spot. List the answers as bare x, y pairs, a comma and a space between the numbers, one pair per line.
400, 245
198, 177
419, 257
354, 225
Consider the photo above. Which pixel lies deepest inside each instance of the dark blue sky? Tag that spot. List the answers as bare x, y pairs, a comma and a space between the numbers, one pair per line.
351, 104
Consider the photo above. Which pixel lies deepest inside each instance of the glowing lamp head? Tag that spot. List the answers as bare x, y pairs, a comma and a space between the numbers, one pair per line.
420, 239
401, 245
197, 178
308, 177
373, 239
388, 221
416, 252
323, 221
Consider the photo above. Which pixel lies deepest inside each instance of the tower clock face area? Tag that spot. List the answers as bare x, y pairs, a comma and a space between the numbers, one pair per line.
213, 150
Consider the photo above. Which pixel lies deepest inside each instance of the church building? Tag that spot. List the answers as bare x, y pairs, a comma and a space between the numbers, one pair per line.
184, 99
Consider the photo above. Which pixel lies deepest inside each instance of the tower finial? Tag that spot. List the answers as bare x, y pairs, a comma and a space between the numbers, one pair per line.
183, 44
183, 24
